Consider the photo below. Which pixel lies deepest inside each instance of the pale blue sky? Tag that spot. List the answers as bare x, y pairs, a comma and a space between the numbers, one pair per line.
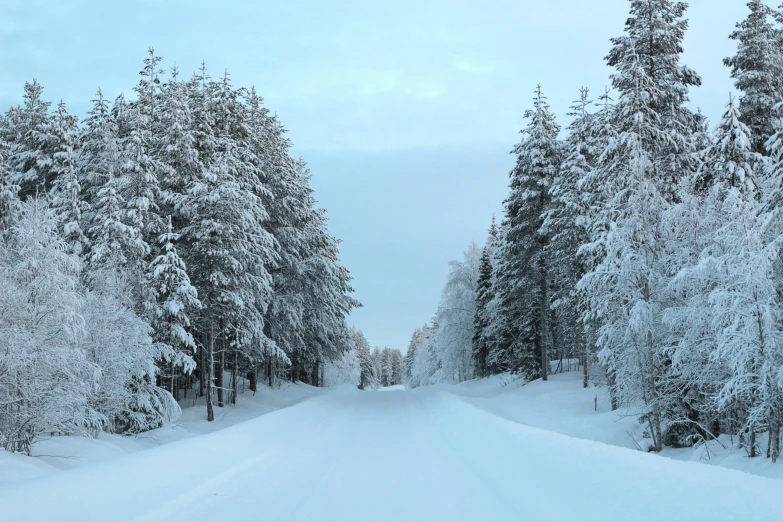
405, 110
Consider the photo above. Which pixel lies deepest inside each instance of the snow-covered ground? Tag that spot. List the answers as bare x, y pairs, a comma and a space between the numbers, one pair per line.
484, 450
62, 453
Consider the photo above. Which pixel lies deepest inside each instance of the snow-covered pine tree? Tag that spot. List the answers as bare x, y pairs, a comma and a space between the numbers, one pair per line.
410, 356
141, 171
757, 69
66, 194
227, 260
485, 318
28, 134
177, 143
731, 160
9, 192
362, 349
565, 223
175, 299
654, 33
524, 314
484, 295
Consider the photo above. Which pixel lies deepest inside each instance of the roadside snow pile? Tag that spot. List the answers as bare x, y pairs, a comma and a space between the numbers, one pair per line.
562, 405
68, 452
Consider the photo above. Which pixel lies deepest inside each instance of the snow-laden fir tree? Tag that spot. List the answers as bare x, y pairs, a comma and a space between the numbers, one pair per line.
362, 349
28, 135
9, 192
174, 300
565, 223
66, 195
731, 160
653, 38
757, 69
524, 313
141, 171
485, 317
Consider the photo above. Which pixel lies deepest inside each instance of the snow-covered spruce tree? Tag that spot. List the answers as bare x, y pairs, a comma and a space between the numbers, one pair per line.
66, 195
98, 153
486, 304
228, 249
565, 223
141, 171
626, 291
289, 202
177, 144
757, 69
9, 192
484, 296
27, 132
524, 313
362, 349
47, 377
174, 300
730, 160
246, 334
410, 356
326, 290
654, 33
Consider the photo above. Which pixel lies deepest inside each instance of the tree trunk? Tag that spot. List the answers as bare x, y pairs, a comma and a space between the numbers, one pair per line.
171, 379
210, 368
252, 377
655, 415
219, 377
234, 375
774, 437
201, 383
543, 316
269, 372
585, 371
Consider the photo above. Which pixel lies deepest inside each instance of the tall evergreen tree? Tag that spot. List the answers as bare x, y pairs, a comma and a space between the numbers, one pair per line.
523, 281
757, 69
175, 299
66, 192
653, 41
28, 134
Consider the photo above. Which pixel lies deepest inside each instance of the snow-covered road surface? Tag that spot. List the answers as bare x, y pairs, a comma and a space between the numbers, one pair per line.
423, 455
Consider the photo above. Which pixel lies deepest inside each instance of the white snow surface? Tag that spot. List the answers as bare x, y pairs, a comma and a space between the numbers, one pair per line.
442, 453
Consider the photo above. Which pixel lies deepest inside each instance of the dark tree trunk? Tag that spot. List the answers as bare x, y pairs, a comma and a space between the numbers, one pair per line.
219, 375
252, 377
234, 376
210, 368
203, 373
543, 316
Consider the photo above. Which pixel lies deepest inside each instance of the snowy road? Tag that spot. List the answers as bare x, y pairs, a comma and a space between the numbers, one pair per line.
424, 455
